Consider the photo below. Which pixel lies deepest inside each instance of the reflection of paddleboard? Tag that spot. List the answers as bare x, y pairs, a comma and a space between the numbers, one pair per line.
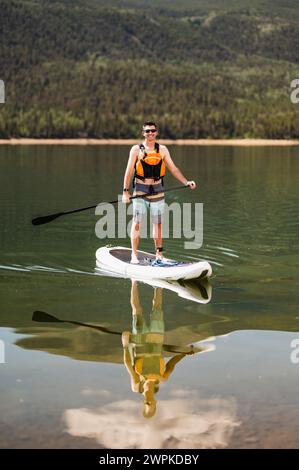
196, 290
117, 260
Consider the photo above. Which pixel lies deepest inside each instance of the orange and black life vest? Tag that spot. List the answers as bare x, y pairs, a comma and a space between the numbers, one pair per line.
150, 165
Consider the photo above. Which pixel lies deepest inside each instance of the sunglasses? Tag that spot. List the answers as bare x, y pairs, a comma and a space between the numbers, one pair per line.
147, 131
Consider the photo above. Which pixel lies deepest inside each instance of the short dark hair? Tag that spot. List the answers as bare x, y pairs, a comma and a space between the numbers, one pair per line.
149, 123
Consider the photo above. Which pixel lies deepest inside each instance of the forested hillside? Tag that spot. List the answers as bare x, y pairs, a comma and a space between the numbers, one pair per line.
97, 68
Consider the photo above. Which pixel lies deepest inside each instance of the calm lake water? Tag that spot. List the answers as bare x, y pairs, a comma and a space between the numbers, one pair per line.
66, 385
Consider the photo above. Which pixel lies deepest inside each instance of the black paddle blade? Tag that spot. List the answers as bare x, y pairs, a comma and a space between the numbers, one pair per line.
44, 317
46, 218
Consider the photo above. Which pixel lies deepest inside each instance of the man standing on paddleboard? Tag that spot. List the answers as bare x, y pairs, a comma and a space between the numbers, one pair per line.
149, 161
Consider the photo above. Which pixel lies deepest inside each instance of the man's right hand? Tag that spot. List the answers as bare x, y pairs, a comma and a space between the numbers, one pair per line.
126, 197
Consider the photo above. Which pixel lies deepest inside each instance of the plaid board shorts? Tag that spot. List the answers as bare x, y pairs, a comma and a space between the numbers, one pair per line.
141, 205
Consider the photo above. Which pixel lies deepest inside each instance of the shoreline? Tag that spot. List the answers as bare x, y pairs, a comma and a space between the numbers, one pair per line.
198, 142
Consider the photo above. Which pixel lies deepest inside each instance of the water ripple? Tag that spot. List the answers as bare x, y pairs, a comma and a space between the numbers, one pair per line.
45, 269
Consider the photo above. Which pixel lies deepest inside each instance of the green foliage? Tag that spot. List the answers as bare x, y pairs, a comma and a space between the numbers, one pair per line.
83, 68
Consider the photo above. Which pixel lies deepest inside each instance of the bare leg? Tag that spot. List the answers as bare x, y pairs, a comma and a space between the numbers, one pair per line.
137, 312
135, 302
135, 235
157, 300
158, 239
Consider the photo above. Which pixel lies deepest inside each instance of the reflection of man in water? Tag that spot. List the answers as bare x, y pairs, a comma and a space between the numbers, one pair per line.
143, 351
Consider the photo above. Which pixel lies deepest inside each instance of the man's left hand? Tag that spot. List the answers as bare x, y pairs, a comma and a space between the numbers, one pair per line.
191, 184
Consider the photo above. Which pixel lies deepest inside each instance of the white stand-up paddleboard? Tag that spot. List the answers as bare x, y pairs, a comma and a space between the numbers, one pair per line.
117, 260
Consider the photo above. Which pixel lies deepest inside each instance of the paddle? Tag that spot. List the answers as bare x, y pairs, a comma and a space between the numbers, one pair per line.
40, 316
45, 317
48, 218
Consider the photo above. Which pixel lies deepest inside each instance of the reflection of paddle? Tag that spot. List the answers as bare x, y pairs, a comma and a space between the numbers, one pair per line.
45, 317
48, 218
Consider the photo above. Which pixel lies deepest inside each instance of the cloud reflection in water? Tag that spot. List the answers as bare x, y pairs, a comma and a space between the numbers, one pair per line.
183, 422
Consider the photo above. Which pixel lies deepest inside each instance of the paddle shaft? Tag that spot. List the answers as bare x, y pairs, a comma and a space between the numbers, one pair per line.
44, 317
48, 218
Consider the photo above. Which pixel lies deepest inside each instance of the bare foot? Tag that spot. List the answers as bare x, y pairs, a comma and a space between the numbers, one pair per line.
134, 259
